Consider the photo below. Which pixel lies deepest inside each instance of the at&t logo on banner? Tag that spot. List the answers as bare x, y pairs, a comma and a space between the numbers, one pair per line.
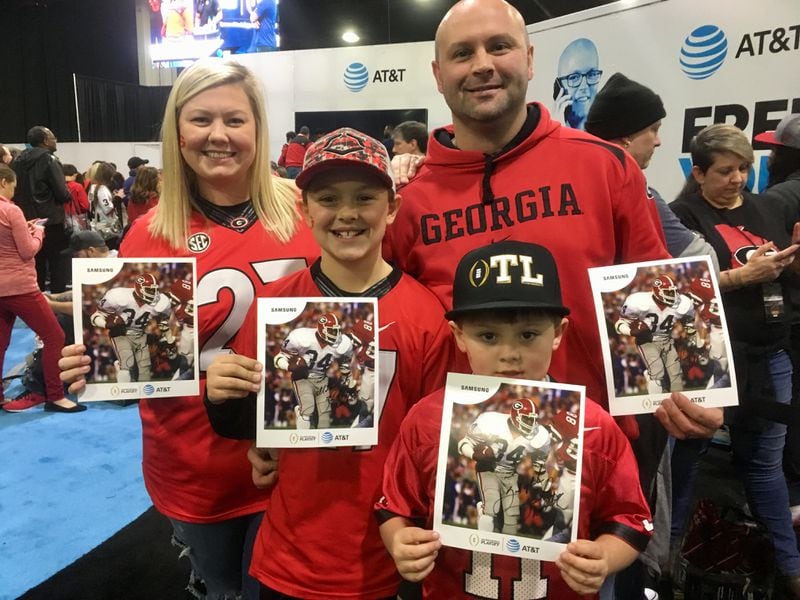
703, 52
357, 76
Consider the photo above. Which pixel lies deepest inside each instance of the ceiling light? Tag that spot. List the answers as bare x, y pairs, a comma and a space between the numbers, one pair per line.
350, 36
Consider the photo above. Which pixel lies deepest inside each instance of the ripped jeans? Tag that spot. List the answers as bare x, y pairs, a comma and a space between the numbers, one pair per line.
220, 556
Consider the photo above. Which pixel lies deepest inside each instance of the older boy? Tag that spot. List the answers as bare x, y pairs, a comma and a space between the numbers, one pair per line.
318, 538
509, 326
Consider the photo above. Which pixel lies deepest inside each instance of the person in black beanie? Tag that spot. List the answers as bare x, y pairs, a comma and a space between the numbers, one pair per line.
628, 114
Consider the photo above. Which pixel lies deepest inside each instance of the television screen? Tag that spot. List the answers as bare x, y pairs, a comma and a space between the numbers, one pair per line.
181, 31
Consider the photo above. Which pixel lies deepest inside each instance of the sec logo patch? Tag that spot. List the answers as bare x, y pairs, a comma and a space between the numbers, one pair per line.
199, 242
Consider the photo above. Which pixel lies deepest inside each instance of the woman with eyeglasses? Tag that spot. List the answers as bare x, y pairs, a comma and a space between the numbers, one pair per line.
757, 259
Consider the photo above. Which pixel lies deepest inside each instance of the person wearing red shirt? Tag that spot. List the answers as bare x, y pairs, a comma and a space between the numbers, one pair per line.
510, 328
296, 152
318, 538
219, 204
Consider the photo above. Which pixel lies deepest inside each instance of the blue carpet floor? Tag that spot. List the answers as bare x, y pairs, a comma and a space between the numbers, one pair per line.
67, 482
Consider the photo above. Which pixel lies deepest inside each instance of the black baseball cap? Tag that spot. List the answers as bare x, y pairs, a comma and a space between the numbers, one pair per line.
83, 240
507, 275
134, 162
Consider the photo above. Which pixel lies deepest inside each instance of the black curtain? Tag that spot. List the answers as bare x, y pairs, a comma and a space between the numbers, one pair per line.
43, 43
111, 111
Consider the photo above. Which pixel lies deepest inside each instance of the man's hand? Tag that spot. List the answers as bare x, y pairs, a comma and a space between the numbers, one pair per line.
265, 467
74, 365
231, 376
405, 166
683, 419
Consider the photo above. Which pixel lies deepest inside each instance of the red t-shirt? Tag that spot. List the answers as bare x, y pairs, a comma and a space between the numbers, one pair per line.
137, 209
318, 538
80, 201
191, 473
611, 502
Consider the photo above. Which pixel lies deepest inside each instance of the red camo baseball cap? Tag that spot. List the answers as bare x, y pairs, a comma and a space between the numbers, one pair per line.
346, 147
787, 133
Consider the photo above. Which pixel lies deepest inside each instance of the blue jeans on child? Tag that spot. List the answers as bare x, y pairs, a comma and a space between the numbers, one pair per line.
220, 554
759, 455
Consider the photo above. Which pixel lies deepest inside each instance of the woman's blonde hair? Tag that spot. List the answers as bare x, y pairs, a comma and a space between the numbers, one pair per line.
274, 200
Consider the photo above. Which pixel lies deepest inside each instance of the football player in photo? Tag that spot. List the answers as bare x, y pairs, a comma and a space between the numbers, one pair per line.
498, 442
308, 353
701, 291
180, 295
363, 335
564, 435
126, 313
650, 318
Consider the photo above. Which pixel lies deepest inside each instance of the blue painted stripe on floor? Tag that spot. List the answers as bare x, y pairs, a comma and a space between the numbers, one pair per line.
67, 483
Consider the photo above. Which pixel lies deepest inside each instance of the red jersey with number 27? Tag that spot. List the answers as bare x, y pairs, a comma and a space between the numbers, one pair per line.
191, 473
611, 502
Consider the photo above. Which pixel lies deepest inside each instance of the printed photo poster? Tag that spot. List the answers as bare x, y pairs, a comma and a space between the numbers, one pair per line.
320, 360
136, 318
509, 470
663, 328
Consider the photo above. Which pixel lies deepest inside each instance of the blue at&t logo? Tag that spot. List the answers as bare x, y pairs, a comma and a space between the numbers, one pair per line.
327, 437
148, 389
703, 52
512, 545
356, 77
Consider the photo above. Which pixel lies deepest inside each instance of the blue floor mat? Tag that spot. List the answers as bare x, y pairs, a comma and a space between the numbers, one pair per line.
67, 483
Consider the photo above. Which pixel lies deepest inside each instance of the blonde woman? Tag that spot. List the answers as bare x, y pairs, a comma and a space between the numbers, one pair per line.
220, 204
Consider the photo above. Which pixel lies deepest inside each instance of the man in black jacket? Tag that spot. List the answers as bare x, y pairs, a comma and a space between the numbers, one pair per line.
41, 194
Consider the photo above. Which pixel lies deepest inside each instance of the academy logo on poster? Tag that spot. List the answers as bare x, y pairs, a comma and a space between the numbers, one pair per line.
703, 52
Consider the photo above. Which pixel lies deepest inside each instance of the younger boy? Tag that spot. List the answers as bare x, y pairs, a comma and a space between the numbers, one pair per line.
318, 538
508, 318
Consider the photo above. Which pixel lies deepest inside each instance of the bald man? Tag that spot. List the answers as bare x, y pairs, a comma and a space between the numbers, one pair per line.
577, 82
506, 170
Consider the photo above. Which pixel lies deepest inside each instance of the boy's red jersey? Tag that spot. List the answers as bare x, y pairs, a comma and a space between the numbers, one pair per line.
319, 538
611, 502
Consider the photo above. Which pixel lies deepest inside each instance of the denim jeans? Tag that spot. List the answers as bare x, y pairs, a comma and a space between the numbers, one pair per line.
220, 555
758, 454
